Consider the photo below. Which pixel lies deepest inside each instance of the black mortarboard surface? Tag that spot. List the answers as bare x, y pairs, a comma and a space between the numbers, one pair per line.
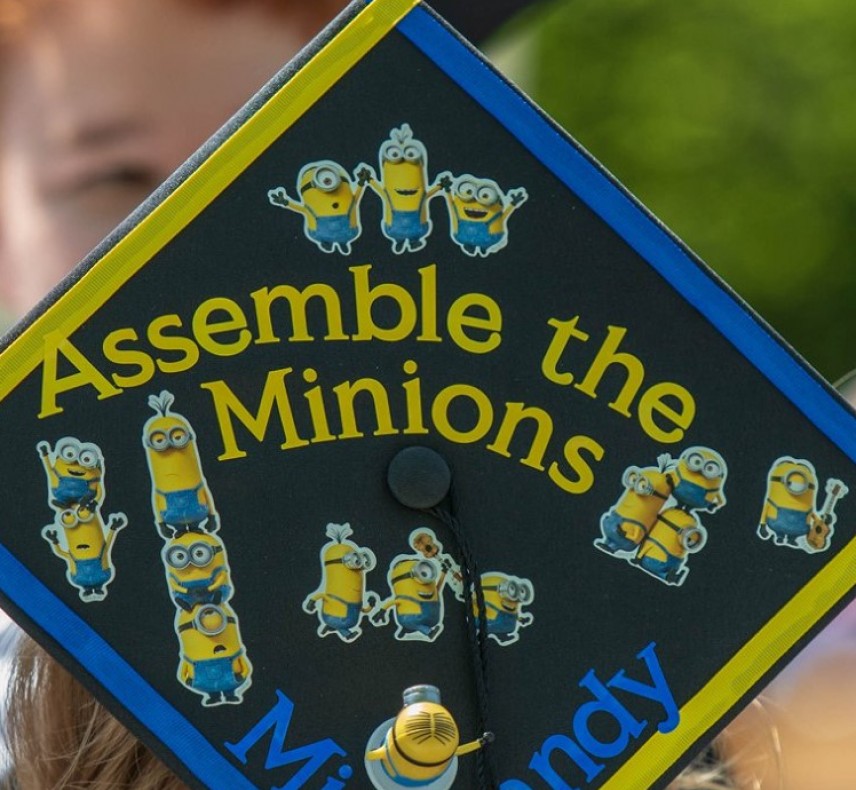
390, 350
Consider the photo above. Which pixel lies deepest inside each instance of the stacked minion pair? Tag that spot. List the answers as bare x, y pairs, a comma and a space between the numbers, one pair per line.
213, 661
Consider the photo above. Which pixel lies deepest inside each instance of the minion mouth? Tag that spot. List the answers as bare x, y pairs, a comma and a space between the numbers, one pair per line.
406, 192
474, 213
220, 649
82, 546
81, 473
509, 609
426, 596
335, 205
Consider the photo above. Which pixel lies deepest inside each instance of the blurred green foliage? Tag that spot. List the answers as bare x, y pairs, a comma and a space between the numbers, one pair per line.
735, 123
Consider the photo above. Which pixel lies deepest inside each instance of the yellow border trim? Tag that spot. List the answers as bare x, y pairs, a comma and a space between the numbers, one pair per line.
191, 198
757, 656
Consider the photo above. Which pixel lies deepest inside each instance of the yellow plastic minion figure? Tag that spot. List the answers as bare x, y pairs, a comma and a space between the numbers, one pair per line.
419, 747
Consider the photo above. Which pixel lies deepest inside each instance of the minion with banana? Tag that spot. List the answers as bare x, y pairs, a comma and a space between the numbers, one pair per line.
341, 600
329, 204
80, 538
479, 212
181, 500
420, 746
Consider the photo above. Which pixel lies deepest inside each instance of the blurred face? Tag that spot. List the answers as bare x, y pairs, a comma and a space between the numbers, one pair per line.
102, 99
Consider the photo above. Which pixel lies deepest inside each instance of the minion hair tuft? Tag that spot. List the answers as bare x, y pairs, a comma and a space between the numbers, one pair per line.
161, 403
339, 532
403, 134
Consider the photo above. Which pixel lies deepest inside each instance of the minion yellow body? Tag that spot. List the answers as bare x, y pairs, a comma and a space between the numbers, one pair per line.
420, 745
181, 500
89, 543
404, 191
698, 479
329, 204
342, 594
789, 505
213, 661
74, 471
197, 571
676, 532
627, 523
504, 597
416, 586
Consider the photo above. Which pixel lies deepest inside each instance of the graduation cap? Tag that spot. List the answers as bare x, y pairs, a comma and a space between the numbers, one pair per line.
395, 444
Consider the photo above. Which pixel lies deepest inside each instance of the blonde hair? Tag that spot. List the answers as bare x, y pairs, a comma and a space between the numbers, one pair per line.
59, 736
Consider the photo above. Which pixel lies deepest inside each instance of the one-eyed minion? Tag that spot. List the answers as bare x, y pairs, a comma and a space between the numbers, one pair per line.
329, 204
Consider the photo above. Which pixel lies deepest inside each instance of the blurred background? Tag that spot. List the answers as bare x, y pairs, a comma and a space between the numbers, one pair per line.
733, 122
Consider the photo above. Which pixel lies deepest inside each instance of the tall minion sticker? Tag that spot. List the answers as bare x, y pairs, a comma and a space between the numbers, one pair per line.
75, 471
403, 190
80, 538
213, 659
789, 513
479, 212
676, 533
197, 570
329, 204
416, 598
419, 747
625, 525
341, 600
504, 599
698, 479
181, 500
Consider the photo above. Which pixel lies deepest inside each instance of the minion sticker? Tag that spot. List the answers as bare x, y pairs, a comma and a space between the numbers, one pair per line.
416, 596
197, 570
181, 500
789, 513
675, 534
697, 479
213, 659
423, 541
403, 190
80, 538
341, 600
479, 212
420, 746
75, 471
329, 204
626, 524
504, 599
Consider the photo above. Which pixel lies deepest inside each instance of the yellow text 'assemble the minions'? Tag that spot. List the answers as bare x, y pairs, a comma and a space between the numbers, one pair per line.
299, 412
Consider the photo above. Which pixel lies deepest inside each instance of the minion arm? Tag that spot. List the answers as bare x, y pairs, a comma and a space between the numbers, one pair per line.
473, 746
